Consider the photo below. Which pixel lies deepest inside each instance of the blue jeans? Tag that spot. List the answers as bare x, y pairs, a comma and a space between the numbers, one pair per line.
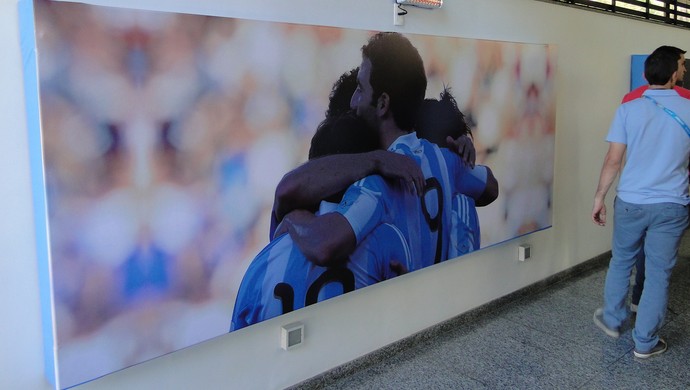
658, 228
639, 278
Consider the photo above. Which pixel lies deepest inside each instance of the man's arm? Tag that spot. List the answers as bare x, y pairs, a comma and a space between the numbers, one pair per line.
490, 191
464, 147
609, 171
315, 180
324, 240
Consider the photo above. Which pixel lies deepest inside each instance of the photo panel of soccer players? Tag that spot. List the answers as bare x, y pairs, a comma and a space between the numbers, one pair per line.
186, 125
391, 86
341, 161
281, 279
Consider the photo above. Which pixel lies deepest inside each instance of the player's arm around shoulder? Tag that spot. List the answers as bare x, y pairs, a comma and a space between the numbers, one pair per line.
491, 191
305, 186
477, 182
463, 149
324, 240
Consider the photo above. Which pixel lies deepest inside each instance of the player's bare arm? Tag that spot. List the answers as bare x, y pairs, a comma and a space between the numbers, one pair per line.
318, 179
464, 147
490, 192
324, 240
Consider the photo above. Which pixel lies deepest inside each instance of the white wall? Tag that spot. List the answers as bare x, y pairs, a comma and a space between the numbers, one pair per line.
593, 72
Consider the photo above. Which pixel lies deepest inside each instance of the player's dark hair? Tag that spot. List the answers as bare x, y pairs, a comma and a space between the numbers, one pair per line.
659, 67
341, 93
346, 133
342, 131
440, 118
398, 70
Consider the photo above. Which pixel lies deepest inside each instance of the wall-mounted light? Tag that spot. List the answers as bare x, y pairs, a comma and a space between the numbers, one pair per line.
422, 3
399, 12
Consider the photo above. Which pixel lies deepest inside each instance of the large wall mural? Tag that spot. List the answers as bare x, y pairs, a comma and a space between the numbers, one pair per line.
163, 137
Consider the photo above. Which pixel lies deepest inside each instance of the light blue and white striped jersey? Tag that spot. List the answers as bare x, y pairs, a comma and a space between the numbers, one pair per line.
465, 236
425, 222
280, 279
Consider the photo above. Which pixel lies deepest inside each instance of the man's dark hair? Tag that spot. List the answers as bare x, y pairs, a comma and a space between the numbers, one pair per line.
659, 66
671, 50
438, 119
346, 133
398, 70
341, 93
342, 131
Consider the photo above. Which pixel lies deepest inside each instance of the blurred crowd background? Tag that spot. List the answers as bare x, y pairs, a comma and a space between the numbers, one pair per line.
164, 136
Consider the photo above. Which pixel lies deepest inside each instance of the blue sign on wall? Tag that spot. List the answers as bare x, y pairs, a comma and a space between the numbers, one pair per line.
637, 70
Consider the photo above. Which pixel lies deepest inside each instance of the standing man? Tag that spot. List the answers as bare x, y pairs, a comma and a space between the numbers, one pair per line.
632, 95
651, 203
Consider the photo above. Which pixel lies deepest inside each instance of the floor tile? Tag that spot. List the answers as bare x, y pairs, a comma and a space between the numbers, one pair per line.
628, 373
543, 341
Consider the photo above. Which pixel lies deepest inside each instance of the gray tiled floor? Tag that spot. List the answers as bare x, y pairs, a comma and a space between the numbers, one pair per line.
544, 340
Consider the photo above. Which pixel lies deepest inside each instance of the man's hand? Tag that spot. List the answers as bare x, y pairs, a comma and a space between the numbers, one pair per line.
325, 240
294, 217
280, 230
392, 165
612, 165
464, 148
599, 212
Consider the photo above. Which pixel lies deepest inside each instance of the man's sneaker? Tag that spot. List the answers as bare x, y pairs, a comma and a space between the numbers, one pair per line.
658, 349
599, 321
633, 308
